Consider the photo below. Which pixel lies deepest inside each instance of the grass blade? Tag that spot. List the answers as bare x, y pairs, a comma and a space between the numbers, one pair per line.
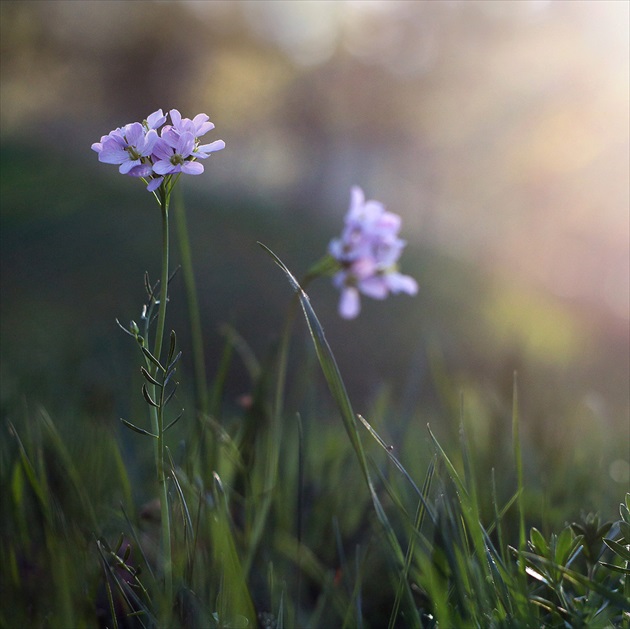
337, 388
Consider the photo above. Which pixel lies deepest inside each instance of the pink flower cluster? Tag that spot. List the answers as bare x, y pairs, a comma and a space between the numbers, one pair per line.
154, 150
368, 252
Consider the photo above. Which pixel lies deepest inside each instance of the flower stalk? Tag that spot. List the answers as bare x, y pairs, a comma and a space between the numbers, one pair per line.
158, 153
158, 412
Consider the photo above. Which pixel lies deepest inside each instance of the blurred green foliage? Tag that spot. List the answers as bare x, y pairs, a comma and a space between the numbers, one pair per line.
73, 256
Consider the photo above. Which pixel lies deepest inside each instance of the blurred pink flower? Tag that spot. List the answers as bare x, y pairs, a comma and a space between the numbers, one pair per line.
368, 252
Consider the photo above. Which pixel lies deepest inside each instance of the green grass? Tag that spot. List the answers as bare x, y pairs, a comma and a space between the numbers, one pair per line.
459, 499
286, 522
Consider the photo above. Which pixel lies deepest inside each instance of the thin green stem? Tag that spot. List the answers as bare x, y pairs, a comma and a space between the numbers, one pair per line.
158, 412
159, 332
165, 516
519, 466
193, 307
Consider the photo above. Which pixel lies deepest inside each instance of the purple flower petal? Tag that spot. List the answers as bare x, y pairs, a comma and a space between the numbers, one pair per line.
367, 253
375, 287
134, 133
163, 167
162, 150
185, 144
192, 168
156, 119
148, 142
176, 117
399, 283
140, 150
170, 136
204, 150
349, 303
155, 183
128, 165
143, 170
112, 154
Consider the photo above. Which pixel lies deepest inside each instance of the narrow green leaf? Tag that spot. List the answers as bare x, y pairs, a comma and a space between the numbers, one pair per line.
538, 542
136, 539
30, 472
615, 568
171, 349
337, 388
564, 546
169, 375
618, 549
135, 428
150, 378
575, 577
171, 364
399, 467
148, 398
449, 466
328, 365
169, 397
68, 463
110, 597
147, 285
152, 359
174, 421
188, 529
17, 484
421, 510
130, 597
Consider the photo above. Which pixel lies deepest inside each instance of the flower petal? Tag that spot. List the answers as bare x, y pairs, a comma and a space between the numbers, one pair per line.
176, 117
399, 283
112, 154
148, 142
134, 133
349, 303
156, 119
205, 149
127, 166
192, 168
375, 287
185, 144
164, 167
143, 170
155, 183
162, 150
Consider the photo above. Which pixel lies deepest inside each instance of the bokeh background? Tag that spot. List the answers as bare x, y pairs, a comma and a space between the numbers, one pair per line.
498, 130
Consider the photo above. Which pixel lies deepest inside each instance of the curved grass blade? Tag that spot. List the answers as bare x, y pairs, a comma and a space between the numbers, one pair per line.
420, 513
136, 539
188, 525
337, 388
399, 466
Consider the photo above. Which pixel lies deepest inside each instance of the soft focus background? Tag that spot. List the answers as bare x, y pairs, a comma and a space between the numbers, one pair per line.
498, 131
